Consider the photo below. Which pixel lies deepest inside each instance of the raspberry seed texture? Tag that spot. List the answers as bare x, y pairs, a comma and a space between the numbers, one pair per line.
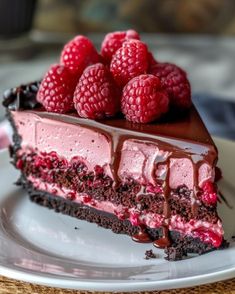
143, 99
78, 53
96, 95
129, 61
175, 81
56, 89
114, 40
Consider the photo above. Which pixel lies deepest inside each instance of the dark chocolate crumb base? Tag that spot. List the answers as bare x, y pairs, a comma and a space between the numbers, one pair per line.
149, 254
181, 245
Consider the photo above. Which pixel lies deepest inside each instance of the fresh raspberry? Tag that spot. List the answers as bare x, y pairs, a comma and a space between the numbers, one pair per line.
78, 54
129, 61
96, 95
56, 89
143, 99
175, 82
209, 195
113, 41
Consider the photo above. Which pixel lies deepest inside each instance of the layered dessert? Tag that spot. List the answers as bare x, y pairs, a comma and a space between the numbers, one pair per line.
114, 139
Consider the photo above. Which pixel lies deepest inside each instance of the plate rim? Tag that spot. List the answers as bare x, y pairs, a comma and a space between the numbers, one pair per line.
128, 286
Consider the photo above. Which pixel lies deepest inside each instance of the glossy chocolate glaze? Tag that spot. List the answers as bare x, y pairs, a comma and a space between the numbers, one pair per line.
183, 135
142, 237
183, 126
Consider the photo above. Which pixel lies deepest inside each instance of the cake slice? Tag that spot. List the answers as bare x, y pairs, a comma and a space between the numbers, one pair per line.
154, 181
151, 181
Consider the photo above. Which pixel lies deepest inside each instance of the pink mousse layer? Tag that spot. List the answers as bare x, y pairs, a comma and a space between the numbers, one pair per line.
152, 220
94, 147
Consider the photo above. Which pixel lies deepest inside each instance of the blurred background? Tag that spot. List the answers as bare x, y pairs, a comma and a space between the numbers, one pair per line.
197, 35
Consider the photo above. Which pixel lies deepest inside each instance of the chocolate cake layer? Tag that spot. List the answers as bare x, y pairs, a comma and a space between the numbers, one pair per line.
181, 245
129, 194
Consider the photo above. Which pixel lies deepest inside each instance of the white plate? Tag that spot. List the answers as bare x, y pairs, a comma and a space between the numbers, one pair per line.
39, 246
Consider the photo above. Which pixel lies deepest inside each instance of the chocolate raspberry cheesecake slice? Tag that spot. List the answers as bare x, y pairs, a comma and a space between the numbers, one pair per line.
148, 172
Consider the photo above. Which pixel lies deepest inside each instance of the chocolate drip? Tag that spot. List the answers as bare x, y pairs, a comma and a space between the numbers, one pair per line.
117, 142
22, 97
194, 204
165, 240
142, 237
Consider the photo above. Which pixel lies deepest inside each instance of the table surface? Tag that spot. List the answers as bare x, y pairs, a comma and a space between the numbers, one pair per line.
9, 286
214, 57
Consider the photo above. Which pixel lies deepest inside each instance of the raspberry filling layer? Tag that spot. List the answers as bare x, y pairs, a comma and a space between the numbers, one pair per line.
72, 180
